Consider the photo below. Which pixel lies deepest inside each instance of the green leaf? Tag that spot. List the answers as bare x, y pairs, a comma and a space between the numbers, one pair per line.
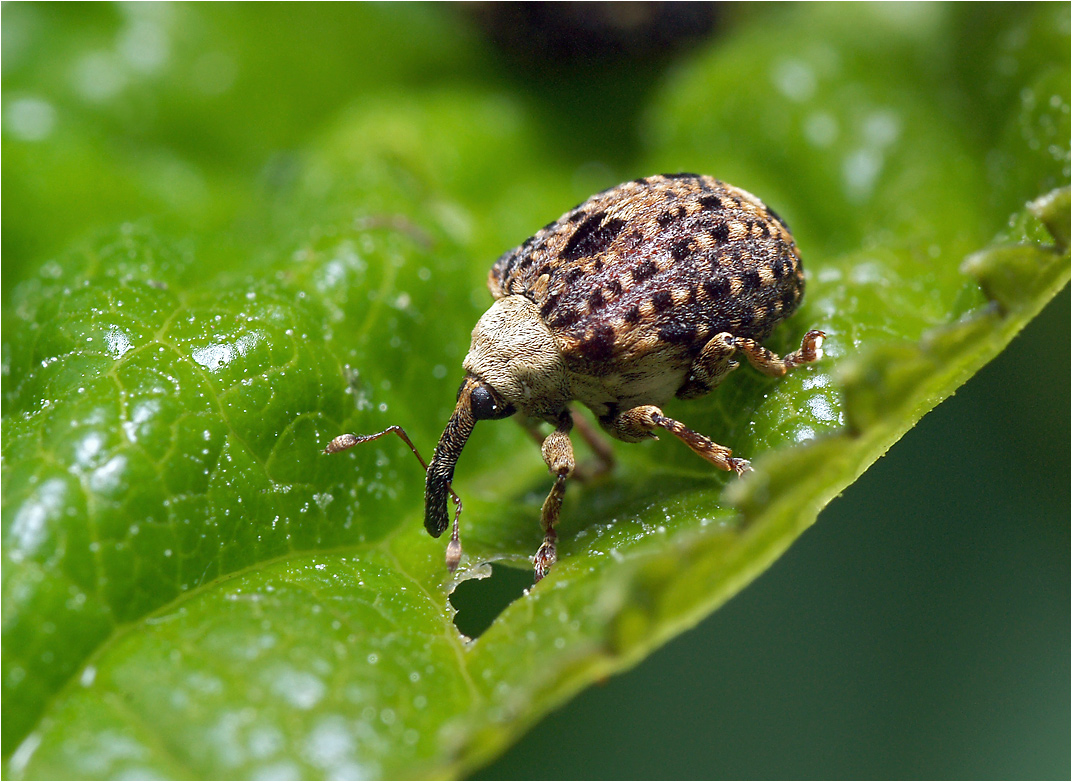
187, 113
192, 589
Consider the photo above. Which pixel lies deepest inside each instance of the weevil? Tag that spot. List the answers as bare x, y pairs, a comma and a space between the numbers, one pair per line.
642, 293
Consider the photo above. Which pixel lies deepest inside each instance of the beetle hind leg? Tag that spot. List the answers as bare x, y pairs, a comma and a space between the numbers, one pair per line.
716, 360
710, 367
811, 349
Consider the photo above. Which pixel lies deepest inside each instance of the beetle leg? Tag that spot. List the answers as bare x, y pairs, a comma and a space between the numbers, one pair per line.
558, 454
710, 367
603, 456
715, 360
640, 422
532, 429
811, 349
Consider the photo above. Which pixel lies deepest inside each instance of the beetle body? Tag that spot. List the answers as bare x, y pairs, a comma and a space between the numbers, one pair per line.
623, 292
643, 292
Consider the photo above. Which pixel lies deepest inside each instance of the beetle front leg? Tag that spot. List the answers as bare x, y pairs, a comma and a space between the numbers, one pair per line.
558, 454
641, 422
602, 460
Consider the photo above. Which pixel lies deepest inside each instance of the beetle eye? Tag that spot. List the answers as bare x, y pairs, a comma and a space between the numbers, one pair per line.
485, 406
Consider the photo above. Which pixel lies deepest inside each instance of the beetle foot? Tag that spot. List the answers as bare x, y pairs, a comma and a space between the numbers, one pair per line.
545, 556
740, 466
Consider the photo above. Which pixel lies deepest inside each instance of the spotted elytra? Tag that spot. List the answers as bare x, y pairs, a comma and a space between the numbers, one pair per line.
642, 293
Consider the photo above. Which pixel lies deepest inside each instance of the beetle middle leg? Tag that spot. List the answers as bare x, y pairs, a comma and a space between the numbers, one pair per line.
641, 422
558, 454
602, 460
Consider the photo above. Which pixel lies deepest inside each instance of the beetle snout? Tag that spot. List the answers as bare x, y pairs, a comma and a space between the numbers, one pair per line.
441, 471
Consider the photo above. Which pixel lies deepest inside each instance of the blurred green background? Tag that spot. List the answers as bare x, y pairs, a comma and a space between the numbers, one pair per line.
921, 628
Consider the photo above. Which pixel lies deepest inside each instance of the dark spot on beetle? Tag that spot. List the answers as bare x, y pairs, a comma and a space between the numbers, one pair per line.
596, 300
641, 181
720, 233
731, 256
662, 300
644, 271
677, 333
576, 216
598, 265
711, 202
777, 217
751, 280
548, 306
679, 251
682, 175
573, 275
789, 300
670, 216
545, 269
717, 288
549, 226
633, 315
778, 269
598, 344
720, 323
564, 317
614, 288
591, 238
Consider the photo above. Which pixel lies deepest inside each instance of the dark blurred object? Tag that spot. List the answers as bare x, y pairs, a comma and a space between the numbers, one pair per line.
557, 35
589, 69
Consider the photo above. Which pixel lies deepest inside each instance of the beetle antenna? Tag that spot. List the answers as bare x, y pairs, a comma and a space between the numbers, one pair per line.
454, 548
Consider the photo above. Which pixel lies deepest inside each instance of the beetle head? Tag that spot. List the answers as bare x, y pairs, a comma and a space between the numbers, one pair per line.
514, 352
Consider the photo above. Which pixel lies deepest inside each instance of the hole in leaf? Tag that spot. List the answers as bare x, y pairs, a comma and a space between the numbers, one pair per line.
479, 600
